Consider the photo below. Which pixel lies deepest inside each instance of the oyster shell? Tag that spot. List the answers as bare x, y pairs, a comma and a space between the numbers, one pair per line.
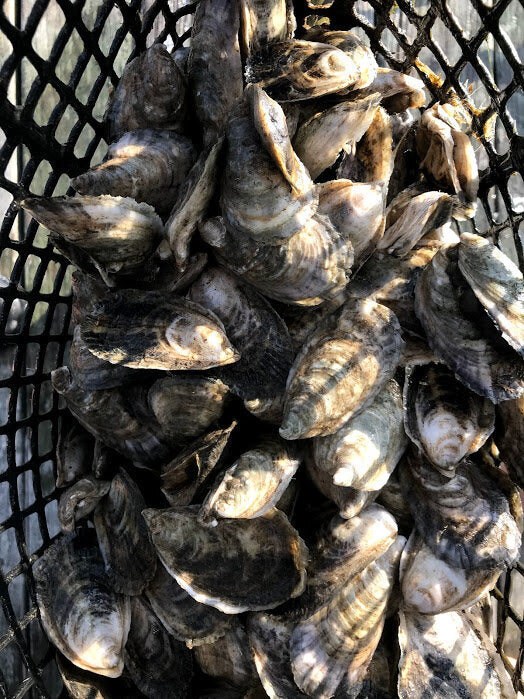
393, 500
337, 642
116, 233
205, 560
253, 485
509, 436
146, 330
84, 685
148, 165
444, 419
364, 451
184, 617
306, 269
79, 500
256, 330
267, 409
263, 22
398, 90
447, 656
150, 94
371, 159
80, 612
157, 663
340, 369
229, 658
74, 452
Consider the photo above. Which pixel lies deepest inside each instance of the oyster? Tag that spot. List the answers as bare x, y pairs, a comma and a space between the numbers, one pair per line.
371, 159
443, 418
306, 269
509, 436
264, 22
447, 656
229, 658
184, 617
150, 94
398, 90
74, 452
364, 451
156, 662
253, 485
267, 409
256, 330
146, 330
84, 685
116, 233
148, 165
79, 500
205, 560
393, 500
82, 615
340, 369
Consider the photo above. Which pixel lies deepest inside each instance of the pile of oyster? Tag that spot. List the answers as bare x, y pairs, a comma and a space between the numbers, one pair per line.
279, 462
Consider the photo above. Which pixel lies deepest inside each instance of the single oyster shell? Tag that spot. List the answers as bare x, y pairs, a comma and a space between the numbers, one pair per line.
187, 404
481, 361
509, 437
267, 409
228, 658
214, 67
371, 160
267, 192
340, 369
253, 485
205, 560
263, 23
298, 70
157, 663
150, 94
319, 140
183, 617
364, 451
146, 330
82, 615
449, 657
497, 283
432, 586
123, 537
399, 91
85, 685
306, 269
74, 452
337, 642
468, 520
116, 233
79, 500
444, 419
256, 330
148, 165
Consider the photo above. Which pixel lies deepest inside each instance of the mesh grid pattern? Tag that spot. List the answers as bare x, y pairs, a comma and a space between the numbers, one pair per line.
58, 59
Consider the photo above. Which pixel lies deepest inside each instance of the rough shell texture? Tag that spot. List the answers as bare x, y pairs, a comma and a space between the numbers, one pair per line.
267, 409
229, 658
79, 500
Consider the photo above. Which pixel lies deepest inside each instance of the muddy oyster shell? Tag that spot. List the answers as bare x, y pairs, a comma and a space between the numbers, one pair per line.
123, 537
148, 165
229, 658
82, 615
254, 484
443, 418
150, 94
116, 233
79, 500
449, 656
365, 450
371, 159
156, 662
74, 452
146, 330
509, 436
205, 560
340, 369
263, 23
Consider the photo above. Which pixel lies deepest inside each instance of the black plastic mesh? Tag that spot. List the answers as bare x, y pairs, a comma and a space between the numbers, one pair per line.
58, 59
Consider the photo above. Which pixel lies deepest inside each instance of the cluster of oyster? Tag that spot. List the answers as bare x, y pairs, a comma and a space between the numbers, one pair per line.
279, 388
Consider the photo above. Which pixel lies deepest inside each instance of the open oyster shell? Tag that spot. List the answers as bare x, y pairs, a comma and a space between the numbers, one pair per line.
82, 615
205, 560
79, 500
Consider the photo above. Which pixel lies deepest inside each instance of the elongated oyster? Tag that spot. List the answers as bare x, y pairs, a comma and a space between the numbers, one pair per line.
184, 617
79, 500
146, 330
215, 84
123, 537
398, 90
340, 369
82, 615
319, 140
371, 159
150, 94
509, 436
116, 233
476, 354
263, 22
447, 656
74, 452
306, 269
229, 658
337, 642
443, 418
267, 192
148, 165
254, 328
497, 283
365, 450
254, 484
156, 662
205, 560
